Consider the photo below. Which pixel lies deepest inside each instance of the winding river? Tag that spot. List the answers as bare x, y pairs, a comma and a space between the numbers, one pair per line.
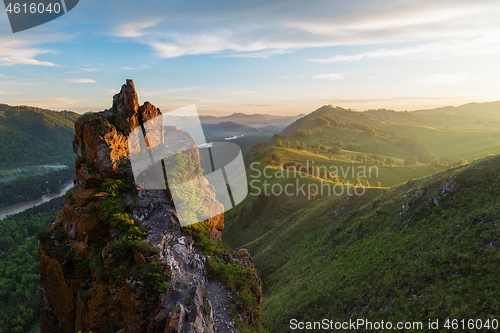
17, 208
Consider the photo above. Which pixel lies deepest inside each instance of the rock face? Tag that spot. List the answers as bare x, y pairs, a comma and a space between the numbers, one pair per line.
96, 278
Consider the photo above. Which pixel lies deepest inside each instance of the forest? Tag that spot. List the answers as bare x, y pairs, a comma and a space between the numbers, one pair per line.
33, 187
31, 135
19, 265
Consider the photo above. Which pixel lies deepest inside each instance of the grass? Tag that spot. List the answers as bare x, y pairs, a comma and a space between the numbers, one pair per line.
454, 143
347, 136
258, 214
448, 136
389, 255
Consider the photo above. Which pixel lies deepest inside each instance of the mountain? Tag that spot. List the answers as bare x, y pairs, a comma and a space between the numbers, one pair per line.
424, 250
30, 135
118, 259
254, 120
228, 128
453, 135
489, 110
420, 241
232, 124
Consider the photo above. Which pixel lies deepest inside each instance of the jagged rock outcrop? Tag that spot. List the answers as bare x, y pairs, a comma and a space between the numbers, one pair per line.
117, 259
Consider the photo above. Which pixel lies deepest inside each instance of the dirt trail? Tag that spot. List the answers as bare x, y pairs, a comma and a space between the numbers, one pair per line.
220, 303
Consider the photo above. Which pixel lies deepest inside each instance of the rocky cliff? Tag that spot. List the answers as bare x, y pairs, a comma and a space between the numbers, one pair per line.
116, 258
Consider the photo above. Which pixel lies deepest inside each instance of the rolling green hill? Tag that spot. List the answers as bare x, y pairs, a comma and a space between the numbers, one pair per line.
31, 135
469, 131
427, 249
422, 244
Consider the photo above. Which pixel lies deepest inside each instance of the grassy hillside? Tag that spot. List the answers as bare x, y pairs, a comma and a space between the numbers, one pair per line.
424, 250
262, 210
468, 132
34, 136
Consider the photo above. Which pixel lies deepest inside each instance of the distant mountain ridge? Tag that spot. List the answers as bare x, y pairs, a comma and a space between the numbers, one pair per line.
254, 120
34, 135
484, 110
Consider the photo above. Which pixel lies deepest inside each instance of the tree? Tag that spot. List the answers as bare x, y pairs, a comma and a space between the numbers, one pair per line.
371, 132
313, 194
274, 160
303, 146
434, 163
410, 160
297, 144
335, 150
460, 161
353, 146
279, 143
288, 145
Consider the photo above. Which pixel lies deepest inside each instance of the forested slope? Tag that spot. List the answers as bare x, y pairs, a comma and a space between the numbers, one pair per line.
31, 135
19, 265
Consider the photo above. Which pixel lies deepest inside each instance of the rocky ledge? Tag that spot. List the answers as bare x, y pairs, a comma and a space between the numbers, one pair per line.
116, 258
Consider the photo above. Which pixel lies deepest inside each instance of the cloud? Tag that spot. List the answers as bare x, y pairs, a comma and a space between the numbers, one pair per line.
441, 49
274, 28
194, 44
55, 103
21, 51
331, 76
440, 79
3, 92
261, 54
79, 81
257, 105
188, 100
236, 92
135, 29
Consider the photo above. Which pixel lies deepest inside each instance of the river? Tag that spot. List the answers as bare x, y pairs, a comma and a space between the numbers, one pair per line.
17, 208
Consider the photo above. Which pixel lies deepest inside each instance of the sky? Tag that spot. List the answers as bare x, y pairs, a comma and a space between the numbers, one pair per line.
278, 57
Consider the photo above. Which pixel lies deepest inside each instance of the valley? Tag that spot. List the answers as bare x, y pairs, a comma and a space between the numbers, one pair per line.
421, 240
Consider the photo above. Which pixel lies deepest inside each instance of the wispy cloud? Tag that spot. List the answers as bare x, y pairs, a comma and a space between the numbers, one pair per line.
136, 28
257, 105
261, 54
3, 92
331, 76
282, 28
236, 92
440, 79
79, 81
441, 49
22, 50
